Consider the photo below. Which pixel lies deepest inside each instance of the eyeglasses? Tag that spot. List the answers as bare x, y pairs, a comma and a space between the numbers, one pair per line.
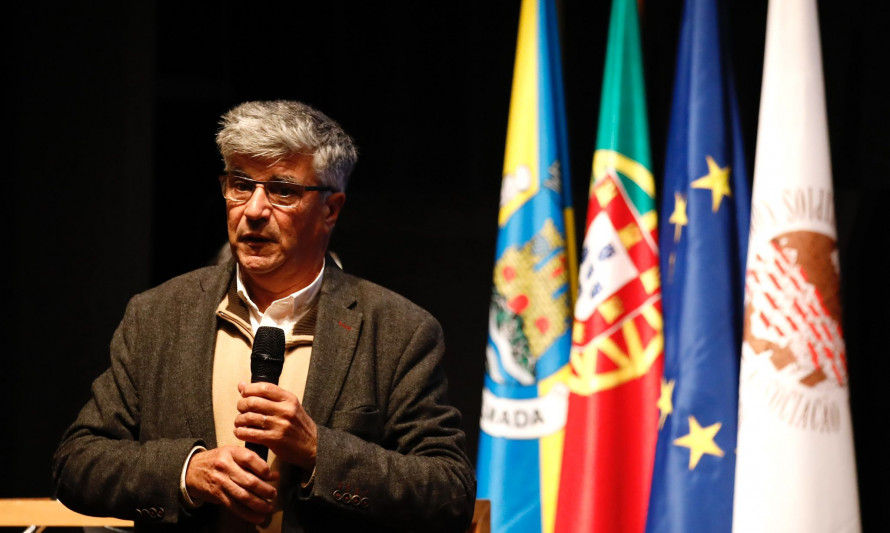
239, 189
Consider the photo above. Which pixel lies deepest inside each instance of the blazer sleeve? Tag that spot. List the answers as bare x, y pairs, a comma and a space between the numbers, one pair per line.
101, 466
416, 476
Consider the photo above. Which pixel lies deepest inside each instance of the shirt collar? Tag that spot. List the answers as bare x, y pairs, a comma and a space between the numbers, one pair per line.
285, 312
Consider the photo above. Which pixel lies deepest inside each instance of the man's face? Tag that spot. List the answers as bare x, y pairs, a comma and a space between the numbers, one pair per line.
281, 249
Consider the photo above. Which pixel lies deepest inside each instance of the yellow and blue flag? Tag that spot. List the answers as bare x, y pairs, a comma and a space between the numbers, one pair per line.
706, 204
524, 399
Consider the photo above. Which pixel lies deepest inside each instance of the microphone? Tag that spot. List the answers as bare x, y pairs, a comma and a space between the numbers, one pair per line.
266, 361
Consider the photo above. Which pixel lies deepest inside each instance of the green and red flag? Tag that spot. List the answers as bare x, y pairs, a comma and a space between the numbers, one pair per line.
617, 342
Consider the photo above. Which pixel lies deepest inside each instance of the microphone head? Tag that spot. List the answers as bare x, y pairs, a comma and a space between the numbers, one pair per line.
267, 356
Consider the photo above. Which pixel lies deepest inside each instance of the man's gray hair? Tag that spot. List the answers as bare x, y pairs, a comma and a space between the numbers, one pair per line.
280, 129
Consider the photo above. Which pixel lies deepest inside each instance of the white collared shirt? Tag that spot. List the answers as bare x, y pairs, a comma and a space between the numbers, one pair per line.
285, 312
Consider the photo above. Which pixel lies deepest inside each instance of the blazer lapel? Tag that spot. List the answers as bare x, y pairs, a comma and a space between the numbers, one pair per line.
199, 337
333, 347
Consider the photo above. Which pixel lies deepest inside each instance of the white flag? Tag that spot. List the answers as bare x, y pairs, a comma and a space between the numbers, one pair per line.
795, 468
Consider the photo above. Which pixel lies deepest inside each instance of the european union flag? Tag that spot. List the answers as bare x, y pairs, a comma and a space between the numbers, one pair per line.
706, 206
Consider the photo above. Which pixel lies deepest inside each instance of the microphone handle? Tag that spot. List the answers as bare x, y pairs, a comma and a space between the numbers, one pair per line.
259, 449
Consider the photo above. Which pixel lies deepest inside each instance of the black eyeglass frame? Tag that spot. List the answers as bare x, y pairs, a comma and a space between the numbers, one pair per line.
225, 177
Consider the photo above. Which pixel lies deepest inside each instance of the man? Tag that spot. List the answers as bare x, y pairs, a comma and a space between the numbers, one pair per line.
359, 432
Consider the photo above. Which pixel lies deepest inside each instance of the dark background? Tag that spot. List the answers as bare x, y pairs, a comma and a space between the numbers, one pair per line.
110, 118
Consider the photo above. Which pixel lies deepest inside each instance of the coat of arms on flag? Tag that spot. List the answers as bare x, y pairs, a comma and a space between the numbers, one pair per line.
793, 314
617, 322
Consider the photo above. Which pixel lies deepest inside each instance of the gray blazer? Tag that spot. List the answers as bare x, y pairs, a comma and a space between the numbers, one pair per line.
375, 388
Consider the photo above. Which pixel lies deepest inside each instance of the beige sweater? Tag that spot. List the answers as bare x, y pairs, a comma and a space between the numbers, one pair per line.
231, 364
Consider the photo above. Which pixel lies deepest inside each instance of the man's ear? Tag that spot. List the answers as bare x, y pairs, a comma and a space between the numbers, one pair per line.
333, 205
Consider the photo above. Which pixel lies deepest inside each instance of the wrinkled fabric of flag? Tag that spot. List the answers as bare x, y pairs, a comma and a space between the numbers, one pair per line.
795, 464
524, 399
704, 234
617, 332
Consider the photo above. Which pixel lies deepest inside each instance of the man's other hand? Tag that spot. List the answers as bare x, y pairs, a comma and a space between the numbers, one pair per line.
235, 478
273, 417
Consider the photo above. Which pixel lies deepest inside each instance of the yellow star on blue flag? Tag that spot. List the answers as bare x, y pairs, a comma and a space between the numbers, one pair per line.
717, 180
700, 441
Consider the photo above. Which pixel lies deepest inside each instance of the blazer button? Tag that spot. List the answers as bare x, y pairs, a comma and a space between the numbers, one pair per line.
138, 513
364, 503
153, 512
356, 500
346, 498
338, 495
160, 512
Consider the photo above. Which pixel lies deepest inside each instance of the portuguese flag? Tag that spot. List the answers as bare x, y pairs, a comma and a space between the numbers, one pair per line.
617, 342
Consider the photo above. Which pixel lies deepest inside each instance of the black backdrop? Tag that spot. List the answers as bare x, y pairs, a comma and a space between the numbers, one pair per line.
112, 106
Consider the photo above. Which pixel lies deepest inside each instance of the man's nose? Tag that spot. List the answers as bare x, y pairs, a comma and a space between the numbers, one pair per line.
258, 205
